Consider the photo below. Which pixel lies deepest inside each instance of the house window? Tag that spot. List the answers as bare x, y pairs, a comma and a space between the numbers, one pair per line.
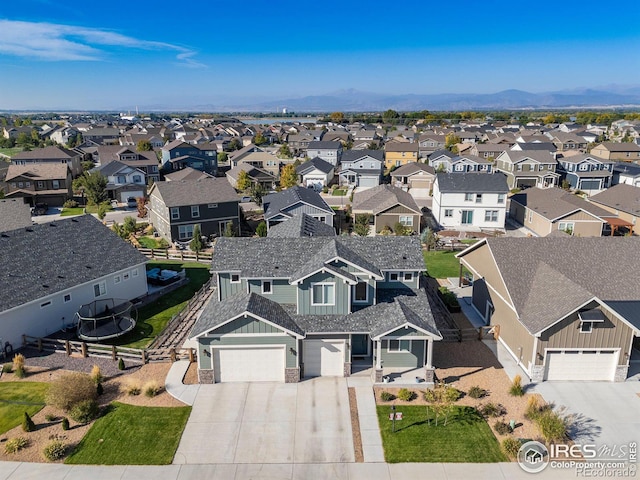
195, 211
175, 213
125, 276
100, 289
266, 287
45, 304
459, 168
122, 179
116, 279
235, 278
393, 276
40, 185
134, 272
20, 184
586, 327
56, 184
530, 216
137, 179
566, 227
323, 294
478, 198
468, 197
467, 217
67, 298
448, 213
396, 346
406, 220
185, 232
361, 292
491, 215
320, 218
27, 184
212, 205
583, 167
519, 168
408, 276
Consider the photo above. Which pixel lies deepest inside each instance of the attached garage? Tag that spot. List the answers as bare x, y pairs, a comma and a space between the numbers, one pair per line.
590, 365
323, 358
249, 363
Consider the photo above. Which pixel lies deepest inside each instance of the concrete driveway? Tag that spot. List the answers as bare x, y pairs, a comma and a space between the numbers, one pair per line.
308, 422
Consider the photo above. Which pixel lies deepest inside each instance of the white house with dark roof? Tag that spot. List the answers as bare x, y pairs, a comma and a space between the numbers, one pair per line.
315, 173
124, 181
361, 168
83, 261
470, 200
330, 152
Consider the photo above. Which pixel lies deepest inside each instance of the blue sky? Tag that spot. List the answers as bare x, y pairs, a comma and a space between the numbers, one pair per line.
118, 54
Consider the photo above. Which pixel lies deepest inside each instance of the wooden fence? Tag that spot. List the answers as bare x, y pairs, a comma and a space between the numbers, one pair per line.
172, 254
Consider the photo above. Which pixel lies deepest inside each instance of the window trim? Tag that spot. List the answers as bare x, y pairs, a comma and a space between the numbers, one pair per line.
399, 349
66, 298
195, 211
116, 279
102, 289
448, 213
406, 223
366, 291
397, 274
231, 280
404, 277
175, 213
583, 324
324, 303
263, 290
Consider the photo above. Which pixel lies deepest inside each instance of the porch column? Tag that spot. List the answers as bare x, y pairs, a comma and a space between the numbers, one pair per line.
460, 276
430, 353
378, 354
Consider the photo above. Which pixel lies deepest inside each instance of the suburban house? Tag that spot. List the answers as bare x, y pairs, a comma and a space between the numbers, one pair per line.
51, 155
528, 168
102, 135
489, 151
626, 172
586, 173
387, 206
397, 153
330, 152
290, 308
124, 181
567, 141
264, 160
256, 175
544, 211
416, 178
179, 154
315, 173
301, 225
14, 214
176, 207
429, 143
81, 261
617, 151
361, 168
145, 161
446, 161
283, 205
186, 173
470, 200
553, 305
624, 201
48, 183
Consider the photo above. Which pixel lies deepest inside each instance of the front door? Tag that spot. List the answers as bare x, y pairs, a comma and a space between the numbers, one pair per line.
359, 345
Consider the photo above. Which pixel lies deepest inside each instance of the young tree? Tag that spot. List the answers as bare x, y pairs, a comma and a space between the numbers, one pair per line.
229, 230
223, 157
400, 230
234, 144
244, 182
144, 146
261, 229
141, 206
450, 142
196, 243
129, 225
260, 139
429, 238
361, 227
94, 185
337, 117
285, 151
288, 176
257, 192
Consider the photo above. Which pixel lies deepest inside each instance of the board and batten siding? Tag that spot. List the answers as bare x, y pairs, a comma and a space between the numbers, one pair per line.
413, 358
400, 283
610, 334
311, 211
228, 289
281, 290
247, 324
362, 277
341, 298
290, 343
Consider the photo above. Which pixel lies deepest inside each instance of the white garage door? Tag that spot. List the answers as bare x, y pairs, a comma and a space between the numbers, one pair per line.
135, 194
581, 365
323, 358
249, 364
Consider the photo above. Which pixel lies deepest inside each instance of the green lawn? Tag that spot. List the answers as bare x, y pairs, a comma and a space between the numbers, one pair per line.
68, 212
17, 398
149, 242
11, 151
339, 192
94, 208
465, 438
442, 264
154, 317
130, 435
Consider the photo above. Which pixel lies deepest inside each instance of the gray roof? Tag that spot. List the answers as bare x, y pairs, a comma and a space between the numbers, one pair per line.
14, 214
627, 168
554, 203
278, 202
618, 147
412, 168
582, 157
114, 167
187, 173
178, 193
46, 153
549, 277
516, 156
623, 197
472, 182
270, 257
216, 313
383, 197
52, 257
324, 145
301, 225
314, 163
353, 155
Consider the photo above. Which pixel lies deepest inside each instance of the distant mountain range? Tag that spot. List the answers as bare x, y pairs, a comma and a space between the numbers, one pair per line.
356, 101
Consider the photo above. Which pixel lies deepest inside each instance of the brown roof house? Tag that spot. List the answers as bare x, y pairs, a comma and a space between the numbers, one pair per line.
565, 308
624, 201
388, 206
48, 183
617, 151
51, 155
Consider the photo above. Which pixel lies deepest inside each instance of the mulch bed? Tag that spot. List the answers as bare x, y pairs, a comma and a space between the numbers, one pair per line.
355, 426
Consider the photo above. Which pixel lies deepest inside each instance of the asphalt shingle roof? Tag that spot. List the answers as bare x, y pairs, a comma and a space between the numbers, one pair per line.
51, 257
301, 225
278, 202
383, 197
472, 182
46, 153
179, 193
623, 197
314, 163
553, 203
38, 171
14, 214
353, 155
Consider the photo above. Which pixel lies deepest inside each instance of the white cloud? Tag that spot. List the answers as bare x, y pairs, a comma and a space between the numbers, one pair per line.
56, 42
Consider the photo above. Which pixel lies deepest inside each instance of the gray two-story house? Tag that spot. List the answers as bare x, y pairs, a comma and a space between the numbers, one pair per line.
283, 205
330, 152
528, 168
179, 154
288, 308
361, 168
176, 207
587, 173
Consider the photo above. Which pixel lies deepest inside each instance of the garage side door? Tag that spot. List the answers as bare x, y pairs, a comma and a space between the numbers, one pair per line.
581, 365
323, 358
249, 364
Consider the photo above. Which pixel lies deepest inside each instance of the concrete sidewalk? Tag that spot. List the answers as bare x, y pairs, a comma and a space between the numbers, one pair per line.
368, 419
174, 386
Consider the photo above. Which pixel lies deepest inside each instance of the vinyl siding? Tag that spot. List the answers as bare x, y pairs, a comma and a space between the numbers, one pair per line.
282, 292
341, 300
290, 343
481, 260
400, 284
411, 359
310, 210
246, 325
228, 289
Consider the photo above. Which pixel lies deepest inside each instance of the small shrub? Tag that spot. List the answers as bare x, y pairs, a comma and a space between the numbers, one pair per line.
406, 395
27, 423
65, 423
501, 427
132, 388
492, 410
55, 450
18, 365
552, 425
71, 389
477, 392
7, 368
516, 389
511, 446
70, 204
151, 388
50, 418
96, 374
99, 389
120, 364
387, 396
534, 408
85, 411
15, 444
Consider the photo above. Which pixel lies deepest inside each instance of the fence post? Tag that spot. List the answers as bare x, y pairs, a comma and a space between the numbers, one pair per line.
173, 354
114, 355
39, 344
84, 349
67, 347
144, 357
24, 340
191, 356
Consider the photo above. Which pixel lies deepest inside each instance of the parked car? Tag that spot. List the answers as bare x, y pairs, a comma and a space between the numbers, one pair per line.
245, 199
39, 209
131, 202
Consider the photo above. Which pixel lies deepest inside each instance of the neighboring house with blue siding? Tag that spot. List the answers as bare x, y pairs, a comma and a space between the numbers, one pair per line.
587, 173
283, 205
179, 154
289, 308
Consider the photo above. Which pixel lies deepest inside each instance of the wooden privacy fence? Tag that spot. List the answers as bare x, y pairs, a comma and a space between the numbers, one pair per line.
169, 254
132, 355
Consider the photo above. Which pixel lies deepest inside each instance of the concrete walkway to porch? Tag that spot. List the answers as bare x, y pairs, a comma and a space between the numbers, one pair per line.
174, 386
367, 418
